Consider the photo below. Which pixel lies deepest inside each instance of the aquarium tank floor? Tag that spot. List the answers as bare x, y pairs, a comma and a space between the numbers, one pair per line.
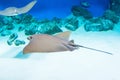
91, 25
79, 64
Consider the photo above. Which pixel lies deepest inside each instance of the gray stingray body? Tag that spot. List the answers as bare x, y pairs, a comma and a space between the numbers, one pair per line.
48, 43
12, 11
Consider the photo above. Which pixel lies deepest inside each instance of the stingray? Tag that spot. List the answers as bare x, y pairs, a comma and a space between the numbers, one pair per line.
49, 43
53, 43
12, 11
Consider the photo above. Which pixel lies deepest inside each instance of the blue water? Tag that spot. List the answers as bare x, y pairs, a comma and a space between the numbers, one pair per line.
56, 8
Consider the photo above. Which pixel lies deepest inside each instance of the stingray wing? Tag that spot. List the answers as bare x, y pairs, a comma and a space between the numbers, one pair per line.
10, 11
64, 35
26, 8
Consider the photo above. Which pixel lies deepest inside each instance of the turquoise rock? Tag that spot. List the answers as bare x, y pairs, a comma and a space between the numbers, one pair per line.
115, 6
19, 42
9, 27
49, 28
72, 24
21, 28
99, 24
12, 38
5, 33
110, 15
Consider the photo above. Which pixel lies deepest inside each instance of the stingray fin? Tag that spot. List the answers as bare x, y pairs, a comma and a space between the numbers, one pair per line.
64, 35
27, 7
71, 41
70, 48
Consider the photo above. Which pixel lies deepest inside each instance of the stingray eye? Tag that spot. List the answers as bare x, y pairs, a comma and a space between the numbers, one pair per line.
29, 38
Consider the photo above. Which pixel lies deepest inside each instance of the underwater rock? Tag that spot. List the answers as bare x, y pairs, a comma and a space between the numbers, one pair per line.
110, 15
1, 23
32, 29
29, 25
9, 27
5, 33
56, 20
44, 27
1, 29
17, 19
12, 38
44, 21
27, 19
52, 30
19, 42
49, 28
79, 11
117, 27
9, 42
98, 25
115, 6
7, 20
21, 28
71, 24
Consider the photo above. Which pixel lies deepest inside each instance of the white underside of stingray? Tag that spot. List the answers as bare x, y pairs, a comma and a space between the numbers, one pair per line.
12, 11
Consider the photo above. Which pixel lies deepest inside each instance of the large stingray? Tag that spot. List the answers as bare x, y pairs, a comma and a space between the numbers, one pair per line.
12, 11
56, 43
48, 43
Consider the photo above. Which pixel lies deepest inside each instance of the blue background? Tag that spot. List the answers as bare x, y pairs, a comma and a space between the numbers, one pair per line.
56, 8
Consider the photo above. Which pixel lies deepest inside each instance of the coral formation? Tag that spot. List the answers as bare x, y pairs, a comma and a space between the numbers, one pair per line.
115, 6
19, 42
11, 26
5, 33
12, 38
98, 24
110, 15
71, 24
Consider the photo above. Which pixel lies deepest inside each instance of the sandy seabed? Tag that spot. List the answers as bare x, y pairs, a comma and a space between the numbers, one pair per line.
81, 64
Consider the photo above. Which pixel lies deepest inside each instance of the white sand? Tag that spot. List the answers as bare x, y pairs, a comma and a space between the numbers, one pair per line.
81, 64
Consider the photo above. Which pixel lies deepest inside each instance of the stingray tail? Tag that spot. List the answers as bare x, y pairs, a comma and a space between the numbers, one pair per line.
94, 49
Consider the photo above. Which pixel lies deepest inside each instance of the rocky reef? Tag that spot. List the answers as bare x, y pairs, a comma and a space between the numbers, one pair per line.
98, 24
80, 17
103, 23
111, 15
115, 6
10, 26
12, 38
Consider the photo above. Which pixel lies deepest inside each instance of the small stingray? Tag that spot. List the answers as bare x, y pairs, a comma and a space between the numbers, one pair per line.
49, 43
12, 11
